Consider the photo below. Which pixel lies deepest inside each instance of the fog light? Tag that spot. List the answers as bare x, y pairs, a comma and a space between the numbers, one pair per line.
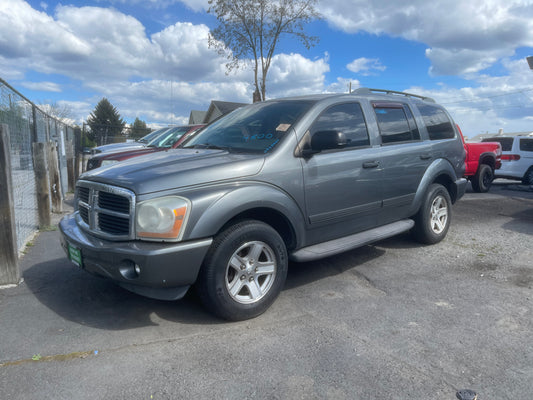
129, 270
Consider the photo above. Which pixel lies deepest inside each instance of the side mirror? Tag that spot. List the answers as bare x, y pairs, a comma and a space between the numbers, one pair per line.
328, 140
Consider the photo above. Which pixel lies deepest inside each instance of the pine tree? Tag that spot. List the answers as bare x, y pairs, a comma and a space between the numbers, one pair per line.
105, 123
138, 129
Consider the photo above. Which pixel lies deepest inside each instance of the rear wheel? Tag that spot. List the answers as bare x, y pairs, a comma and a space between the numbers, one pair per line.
528, 177
483, 178
244, 271
433, 219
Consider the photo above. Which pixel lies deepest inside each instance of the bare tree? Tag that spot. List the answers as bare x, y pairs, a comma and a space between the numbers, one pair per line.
251, 29
62, 112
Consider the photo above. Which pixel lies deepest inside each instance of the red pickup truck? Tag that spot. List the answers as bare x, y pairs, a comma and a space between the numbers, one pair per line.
481, 161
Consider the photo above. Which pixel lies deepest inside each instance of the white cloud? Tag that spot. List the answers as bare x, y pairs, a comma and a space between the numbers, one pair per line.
195, 5
366, 66
43, 86
463, 37
343, 85
27, 33
293, 74
492, 103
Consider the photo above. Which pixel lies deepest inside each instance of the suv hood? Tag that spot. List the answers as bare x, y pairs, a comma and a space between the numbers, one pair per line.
176, 168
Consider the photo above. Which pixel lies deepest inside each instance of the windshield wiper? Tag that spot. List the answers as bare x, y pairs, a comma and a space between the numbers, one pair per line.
207, 146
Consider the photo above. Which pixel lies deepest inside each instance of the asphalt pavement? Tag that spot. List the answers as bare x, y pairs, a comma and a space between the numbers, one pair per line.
394, 320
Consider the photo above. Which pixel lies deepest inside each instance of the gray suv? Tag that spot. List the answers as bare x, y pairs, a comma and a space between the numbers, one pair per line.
289, 179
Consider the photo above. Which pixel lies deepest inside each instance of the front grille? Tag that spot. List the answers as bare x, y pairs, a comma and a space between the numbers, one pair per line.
106, 211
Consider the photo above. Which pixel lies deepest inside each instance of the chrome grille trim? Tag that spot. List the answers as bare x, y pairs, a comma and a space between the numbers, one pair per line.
113, 218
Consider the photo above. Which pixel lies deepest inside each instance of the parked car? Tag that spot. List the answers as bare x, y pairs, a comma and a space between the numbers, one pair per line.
482, 159
517, 157
125, 146
171, 138
298, 178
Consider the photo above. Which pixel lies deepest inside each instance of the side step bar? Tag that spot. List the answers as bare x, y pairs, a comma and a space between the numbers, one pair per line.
326, 249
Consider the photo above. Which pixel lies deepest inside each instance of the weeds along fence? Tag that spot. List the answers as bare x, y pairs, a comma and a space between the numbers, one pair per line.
38, 168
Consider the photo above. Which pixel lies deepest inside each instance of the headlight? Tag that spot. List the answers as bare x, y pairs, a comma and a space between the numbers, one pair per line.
108, 162
162, 218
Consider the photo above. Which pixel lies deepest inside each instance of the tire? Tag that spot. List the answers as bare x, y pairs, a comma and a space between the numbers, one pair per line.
433, 219
244, 271
483, 178
528, 177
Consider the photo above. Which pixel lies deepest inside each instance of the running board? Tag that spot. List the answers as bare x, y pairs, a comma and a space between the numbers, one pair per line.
346, 243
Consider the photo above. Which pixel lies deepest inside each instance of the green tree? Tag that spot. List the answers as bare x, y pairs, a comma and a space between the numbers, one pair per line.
105, 123
138, 129
251, 29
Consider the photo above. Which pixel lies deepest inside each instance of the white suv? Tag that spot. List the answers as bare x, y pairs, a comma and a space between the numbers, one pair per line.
517, 157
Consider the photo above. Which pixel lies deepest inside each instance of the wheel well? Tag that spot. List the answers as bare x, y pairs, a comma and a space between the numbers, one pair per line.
270, 217
489, 160
447, 182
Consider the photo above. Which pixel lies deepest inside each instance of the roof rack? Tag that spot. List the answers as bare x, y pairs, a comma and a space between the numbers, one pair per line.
369, 90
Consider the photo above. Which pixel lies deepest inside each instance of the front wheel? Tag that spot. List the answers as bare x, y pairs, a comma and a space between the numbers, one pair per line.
244, 271
483, 178
433, 219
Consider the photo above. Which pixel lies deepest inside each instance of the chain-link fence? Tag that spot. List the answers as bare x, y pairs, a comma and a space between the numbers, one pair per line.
27, 124
98, 135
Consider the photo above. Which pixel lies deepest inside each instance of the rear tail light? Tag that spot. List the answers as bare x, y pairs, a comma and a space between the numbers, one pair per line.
510, 157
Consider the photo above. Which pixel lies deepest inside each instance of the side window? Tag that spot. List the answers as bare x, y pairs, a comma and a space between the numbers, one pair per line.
346, 118
396, 123
526, 144
437, 122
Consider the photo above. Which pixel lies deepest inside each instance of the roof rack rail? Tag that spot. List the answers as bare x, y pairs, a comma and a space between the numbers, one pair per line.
364, 90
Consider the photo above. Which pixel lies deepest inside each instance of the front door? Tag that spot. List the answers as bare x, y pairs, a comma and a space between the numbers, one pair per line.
342, 187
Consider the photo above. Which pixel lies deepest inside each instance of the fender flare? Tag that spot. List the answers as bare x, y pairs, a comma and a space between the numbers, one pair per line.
440, 171
246, 198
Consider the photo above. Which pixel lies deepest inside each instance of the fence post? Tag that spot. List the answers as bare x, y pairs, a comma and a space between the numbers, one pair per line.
55, 181
9, 269
71, 161
42, 184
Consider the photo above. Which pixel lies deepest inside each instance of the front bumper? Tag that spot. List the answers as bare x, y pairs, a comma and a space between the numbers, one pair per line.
157, 270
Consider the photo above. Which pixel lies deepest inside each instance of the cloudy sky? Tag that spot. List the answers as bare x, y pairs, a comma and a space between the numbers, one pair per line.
151, 59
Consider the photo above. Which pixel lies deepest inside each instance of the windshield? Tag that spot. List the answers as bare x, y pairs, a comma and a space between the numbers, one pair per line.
152, 135
170, 137
256, 128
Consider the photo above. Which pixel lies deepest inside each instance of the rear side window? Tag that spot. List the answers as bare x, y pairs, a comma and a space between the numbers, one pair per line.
526, 144
346, 118
396, 123
507, 143
437, 122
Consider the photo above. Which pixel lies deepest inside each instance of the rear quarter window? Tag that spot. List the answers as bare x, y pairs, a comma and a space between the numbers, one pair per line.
437, 122
507, 143
526, 144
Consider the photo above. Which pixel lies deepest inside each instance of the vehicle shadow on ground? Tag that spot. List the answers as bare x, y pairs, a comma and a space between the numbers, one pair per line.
305, 273
88, 300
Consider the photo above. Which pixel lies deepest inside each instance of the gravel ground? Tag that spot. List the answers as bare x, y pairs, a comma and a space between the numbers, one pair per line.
395, 320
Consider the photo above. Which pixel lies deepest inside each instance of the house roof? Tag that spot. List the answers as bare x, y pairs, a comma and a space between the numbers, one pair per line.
218, 108
197, 117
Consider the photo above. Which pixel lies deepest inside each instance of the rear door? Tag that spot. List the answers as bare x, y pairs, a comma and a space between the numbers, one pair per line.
405, 158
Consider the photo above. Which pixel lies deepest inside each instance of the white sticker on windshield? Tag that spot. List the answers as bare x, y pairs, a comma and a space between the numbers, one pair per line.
283, 127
